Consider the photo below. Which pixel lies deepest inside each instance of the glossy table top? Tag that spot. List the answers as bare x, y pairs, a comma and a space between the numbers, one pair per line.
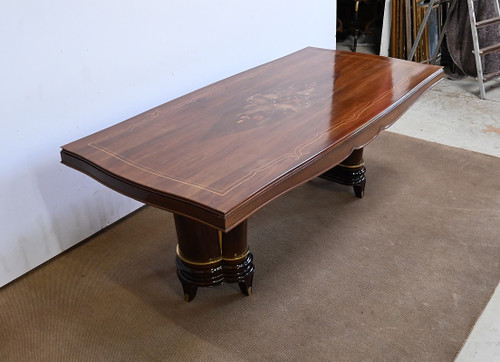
220, 153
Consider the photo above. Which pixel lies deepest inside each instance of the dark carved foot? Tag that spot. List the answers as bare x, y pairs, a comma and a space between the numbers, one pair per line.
359, 189
349, 176
207, 257
246, 285
350, 172
189, 291
193, 276
240, 271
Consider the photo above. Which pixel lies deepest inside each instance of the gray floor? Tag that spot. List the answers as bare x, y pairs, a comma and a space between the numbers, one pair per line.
453, 114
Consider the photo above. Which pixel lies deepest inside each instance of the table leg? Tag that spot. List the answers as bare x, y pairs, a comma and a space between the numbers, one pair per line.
350, 172
207, 257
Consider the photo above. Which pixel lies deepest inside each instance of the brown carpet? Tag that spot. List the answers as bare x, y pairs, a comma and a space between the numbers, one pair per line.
400, 275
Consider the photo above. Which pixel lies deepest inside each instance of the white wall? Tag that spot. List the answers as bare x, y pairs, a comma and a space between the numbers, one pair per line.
68, 68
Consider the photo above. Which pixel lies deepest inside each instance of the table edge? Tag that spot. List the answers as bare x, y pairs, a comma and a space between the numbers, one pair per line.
312, 168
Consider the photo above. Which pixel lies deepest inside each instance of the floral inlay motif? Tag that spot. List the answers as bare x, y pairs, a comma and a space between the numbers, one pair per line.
262, 106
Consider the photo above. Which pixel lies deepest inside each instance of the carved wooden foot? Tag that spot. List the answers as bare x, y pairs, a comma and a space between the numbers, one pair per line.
207, 257
246, 285
189, 291
192, 275
359, 189
240, 271
350, 172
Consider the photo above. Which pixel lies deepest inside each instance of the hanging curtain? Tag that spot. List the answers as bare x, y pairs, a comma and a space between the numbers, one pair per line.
459, 37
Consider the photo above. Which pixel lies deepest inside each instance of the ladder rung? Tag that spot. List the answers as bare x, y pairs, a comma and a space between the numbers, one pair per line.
490, 49
489, 76
486, 22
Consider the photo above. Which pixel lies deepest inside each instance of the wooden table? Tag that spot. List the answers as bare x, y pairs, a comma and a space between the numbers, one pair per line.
216, 156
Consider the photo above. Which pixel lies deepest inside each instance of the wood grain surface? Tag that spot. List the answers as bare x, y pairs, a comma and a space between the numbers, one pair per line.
220, 153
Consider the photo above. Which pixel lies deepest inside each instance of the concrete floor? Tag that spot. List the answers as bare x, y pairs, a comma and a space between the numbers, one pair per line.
452, 113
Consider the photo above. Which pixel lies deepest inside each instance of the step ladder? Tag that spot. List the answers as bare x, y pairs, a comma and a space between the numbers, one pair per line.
480, 52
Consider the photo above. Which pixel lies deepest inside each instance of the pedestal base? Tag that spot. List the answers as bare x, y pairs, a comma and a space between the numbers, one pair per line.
207, 257
350, 172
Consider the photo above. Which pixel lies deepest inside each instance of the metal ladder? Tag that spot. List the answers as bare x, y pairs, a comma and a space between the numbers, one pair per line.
479, 52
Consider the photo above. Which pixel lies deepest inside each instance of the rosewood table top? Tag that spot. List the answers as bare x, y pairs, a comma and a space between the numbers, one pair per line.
220, 153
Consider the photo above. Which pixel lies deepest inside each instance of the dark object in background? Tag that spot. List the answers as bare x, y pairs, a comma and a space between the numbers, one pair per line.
361, 27
459, 38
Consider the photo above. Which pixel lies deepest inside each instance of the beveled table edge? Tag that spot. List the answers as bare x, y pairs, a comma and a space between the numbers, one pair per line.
312, 168
332, 156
